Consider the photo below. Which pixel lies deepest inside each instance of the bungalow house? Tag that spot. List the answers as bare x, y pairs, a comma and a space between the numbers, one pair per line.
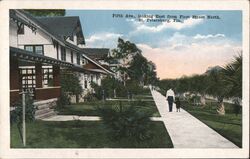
100, 55
39, 49
64, 27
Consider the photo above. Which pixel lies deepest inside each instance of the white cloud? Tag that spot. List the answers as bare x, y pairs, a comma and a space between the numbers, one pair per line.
171, 24
103, 40
198, 36
186, 57
178, 40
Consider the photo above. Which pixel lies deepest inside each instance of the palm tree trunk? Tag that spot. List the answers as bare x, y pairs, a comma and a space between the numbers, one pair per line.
114, 93
203, 100
221, 107
77, 98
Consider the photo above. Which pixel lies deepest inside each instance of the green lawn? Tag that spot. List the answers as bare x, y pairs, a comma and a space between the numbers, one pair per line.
90, 108
90, 134
84, 134
229, 125
147, 97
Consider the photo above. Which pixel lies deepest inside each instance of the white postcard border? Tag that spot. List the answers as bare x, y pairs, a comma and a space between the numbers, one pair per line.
6, 152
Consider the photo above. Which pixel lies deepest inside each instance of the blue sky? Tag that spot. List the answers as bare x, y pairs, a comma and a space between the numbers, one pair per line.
207, 42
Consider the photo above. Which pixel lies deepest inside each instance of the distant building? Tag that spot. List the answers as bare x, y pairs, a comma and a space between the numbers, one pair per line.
214, 68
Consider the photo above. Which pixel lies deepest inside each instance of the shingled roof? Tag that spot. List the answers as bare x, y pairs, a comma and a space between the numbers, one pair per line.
50, 28
96, 53
63, 26
29, 20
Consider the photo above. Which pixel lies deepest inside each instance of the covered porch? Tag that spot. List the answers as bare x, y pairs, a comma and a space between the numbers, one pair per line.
37, 74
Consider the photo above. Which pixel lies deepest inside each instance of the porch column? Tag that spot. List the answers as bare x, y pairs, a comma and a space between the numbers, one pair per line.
15, 85
39, 75
56, 75
14, 74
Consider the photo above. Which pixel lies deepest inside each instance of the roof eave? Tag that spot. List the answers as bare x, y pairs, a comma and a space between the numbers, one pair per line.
30, 20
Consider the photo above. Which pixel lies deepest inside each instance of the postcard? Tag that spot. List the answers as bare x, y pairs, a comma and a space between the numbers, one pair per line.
127, 79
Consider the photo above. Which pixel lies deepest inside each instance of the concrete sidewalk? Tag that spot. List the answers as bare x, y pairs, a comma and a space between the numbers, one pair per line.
72, 117
187, 131
83, 118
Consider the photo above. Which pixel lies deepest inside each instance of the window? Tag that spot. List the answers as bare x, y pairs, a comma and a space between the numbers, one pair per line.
91, 77
29, 48
85, 84
63, 54
84, 61
47, 76
72, 57
78, 59
28, 79
20, 29
37, 49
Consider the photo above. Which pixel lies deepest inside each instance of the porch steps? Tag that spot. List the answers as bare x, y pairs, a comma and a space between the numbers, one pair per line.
45, 108
46, 115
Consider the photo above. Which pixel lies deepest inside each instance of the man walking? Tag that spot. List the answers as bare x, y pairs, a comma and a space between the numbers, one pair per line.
170, 98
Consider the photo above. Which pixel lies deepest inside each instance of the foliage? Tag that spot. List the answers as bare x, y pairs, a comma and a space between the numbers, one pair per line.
109, 87
218, 82
70, 84
216, 85
126, 122
46, 12
134, 88
125, 48
232, 74
62, 101
112, 86
89, 97
16, 115
142, 70
133, 65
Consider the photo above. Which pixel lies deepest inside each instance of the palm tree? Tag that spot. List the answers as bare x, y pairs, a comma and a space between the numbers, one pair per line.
216, 87
226, 82
232, 74
198, 86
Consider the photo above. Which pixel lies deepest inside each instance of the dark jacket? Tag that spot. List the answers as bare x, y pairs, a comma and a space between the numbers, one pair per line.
170, 99
178, 104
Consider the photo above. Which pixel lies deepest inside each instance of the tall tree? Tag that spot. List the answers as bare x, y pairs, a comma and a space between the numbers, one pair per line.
218, 82
138, 68
232, 74
46, 12
124, 53
197, 85
216, 88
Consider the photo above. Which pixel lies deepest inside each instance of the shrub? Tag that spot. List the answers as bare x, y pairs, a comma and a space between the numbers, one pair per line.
195, 100
70, 83
138, 103
16, 115
134, 87
63, 100
89, 97
109, 84
126, 122
97, 90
